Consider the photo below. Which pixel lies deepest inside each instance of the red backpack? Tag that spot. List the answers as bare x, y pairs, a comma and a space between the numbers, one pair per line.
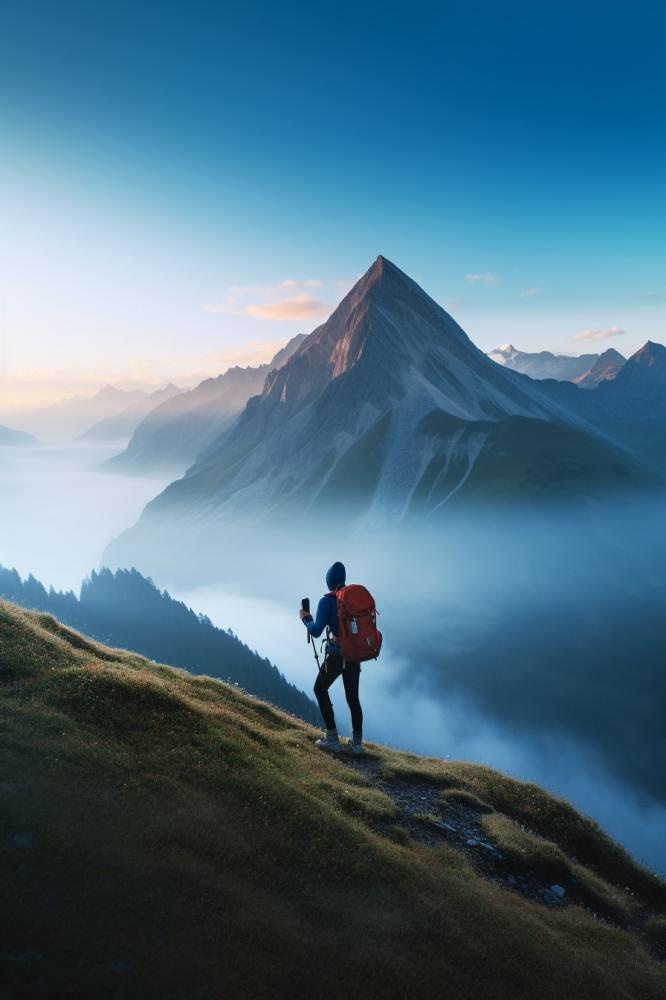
358, 637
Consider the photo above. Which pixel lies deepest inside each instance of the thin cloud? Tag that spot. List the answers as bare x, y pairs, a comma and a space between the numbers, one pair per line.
291, 283
612, 331
296, 308
481, 278
529, 292
278, 302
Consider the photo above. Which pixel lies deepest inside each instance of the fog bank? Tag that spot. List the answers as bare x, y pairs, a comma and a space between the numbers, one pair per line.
531, 640
57, 512
404, 709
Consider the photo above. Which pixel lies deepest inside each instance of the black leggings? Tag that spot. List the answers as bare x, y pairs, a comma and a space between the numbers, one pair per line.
331, 669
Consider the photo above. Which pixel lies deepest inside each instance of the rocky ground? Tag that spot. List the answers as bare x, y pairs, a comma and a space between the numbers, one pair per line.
423, 819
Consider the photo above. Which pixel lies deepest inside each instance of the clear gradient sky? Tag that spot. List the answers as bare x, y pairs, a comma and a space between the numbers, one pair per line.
186, 185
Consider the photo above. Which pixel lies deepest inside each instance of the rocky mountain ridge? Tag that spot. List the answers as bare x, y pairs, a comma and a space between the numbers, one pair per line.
172, 435
389, 410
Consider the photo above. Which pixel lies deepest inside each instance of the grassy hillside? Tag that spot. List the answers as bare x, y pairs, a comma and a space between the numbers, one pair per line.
167, 836
126, 609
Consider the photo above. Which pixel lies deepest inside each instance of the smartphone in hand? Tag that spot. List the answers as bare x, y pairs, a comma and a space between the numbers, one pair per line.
305, 604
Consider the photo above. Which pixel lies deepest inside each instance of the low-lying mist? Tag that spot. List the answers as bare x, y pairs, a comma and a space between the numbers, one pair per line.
532, 640
57, 512
413, 705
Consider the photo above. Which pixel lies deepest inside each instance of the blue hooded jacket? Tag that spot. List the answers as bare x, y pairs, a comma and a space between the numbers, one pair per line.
327, 609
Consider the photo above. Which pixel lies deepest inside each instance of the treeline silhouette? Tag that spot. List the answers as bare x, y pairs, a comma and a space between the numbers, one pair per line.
126, 609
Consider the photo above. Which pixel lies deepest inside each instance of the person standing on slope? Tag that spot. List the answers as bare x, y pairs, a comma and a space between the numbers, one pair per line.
334, 665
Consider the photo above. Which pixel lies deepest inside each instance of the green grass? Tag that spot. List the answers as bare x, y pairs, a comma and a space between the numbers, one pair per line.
656, 928
547, 816
552, 865
462, 796
166, 835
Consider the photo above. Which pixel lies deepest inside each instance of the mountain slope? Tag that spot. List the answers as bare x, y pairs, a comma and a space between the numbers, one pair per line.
544, 364
124, 609
8, 436
123, 424
169, 836
642, 379
173, 434
605, 368
631, 407
352, 426
633, 404
525, 460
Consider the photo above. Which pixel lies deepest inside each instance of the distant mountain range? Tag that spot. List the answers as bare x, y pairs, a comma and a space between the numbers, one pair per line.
630, 408
110, 413
174, 433
8, 436
605, 368
121, 425
388, 411
586, 370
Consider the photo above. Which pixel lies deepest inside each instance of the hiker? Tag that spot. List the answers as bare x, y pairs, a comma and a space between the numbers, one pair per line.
334, 664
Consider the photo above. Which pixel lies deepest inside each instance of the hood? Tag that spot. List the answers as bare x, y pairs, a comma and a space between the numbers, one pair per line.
336, 576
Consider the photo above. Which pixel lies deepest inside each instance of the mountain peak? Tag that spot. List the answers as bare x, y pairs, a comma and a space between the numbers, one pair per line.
386, 321
649, 354
400, 344
382, 271
397, 295
107, 391
610, 354
381, 262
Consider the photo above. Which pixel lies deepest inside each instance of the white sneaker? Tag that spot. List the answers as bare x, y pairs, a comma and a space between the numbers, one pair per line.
330, 741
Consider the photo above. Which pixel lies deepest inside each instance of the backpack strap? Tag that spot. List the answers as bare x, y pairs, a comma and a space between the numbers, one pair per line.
329, 634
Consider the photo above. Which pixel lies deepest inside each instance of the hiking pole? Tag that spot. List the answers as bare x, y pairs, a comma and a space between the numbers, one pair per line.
305, 604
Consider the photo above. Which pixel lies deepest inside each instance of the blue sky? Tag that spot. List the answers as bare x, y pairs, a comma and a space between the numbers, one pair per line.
184, 186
